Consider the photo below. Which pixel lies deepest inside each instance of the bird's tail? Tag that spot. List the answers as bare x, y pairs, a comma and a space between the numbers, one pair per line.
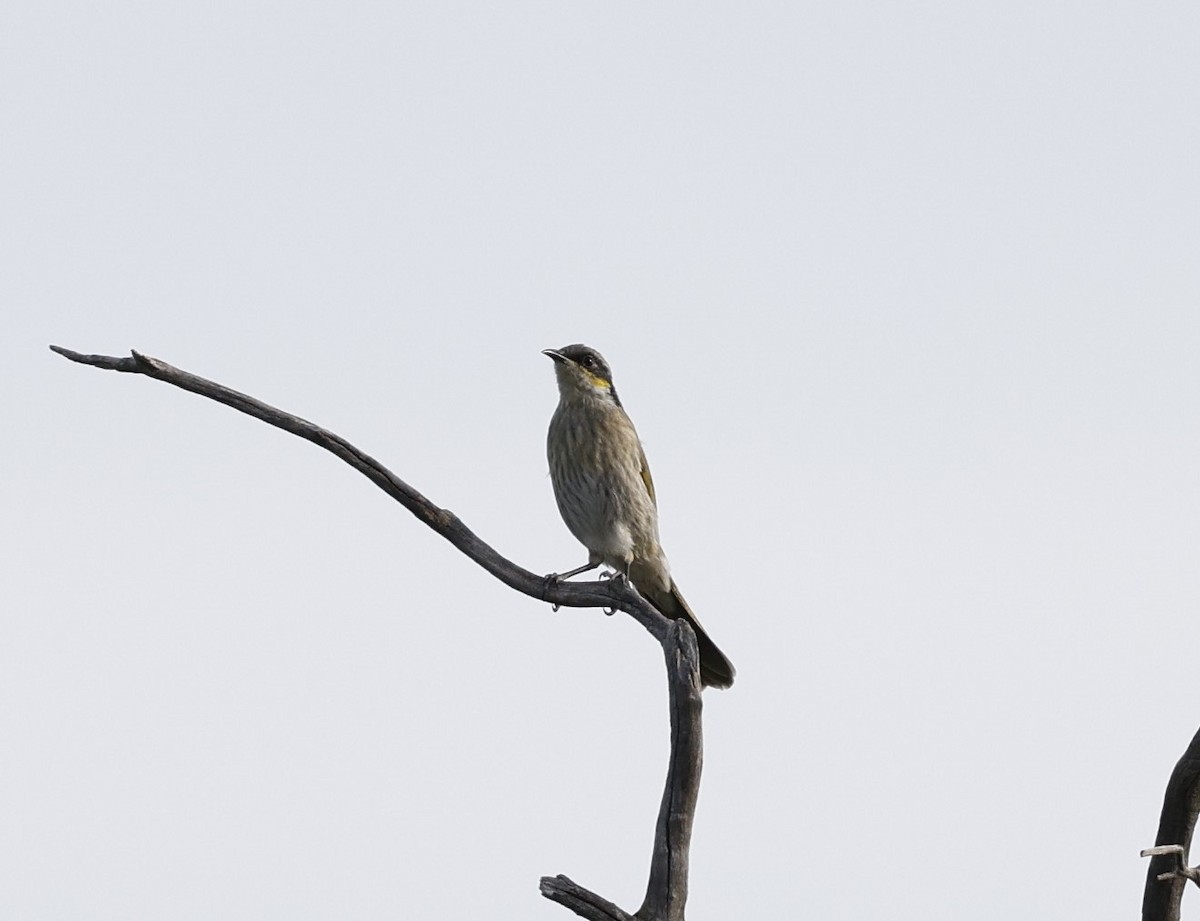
716, 670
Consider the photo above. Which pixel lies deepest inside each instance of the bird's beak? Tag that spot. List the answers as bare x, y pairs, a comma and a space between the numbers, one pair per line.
556, 355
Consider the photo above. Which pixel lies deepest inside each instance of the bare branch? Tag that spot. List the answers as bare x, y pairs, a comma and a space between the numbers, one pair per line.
1168, 873
666, 891
616, 594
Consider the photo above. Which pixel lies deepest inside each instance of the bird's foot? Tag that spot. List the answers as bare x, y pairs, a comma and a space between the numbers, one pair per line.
617, 577
551, 579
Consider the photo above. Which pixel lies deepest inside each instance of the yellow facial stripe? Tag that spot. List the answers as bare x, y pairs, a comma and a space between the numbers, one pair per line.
598, 382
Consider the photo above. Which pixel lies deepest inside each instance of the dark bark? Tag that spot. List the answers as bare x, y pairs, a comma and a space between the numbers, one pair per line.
583, 902
666, 891
1168, 873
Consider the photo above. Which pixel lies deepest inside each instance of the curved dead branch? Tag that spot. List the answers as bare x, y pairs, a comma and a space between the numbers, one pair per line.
666, 892
1168, 873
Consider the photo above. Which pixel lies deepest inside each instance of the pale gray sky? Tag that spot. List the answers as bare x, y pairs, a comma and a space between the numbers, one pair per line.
903, 299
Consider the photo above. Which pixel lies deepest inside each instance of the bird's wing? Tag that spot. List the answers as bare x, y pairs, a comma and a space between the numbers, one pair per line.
646, 478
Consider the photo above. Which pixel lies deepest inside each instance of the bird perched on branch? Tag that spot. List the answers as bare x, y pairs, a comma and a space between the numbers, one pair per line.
605, 494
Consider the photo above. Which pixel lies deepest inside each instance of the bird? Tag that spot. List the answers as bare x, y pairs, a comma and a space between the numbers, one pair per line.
605, 494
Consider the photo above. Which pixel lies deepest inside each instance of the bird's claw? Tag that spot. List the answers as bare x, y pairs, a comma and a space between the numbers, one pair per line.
551, 579
617, 577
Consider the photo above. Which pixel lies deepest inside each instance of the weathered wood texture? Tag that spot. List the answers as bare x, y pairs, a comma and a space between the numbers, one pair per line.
667, 889
583, 902
666, 892
1168, 873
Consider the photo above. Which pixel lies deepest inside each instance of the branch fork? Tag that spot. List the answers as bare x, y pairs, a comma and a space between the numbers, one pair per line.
1181, 869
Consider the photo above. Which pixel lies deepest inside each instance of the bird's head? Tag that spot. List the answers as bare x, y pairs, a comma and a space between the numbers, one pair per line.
582, 372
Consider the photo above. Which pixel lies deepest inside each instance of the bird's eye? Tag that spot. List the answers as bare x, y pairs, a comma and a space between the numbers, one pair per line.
589, 361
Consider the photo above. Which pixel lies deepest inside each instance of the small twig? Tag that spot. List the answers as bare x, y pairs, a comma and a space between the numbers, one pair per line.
1181, 870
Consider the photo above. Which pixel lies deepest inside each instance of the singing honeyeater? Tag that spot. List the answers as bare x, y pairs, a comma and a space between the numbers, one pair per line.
605, 494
